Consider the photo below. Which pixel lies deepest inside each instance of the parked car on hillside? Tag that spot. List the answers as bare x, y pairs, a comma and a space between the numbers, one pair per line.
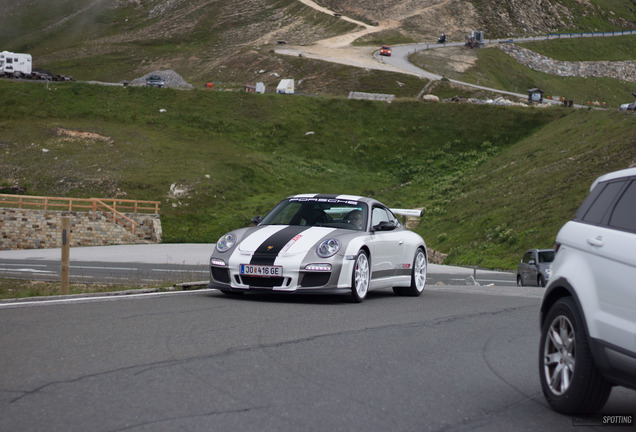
322, 244
385, 50
588, 313
534, 267
155, 81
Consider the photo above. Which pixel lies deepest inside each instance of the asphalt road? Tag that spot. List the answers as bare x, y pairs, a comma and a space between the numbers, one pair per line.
170, 264
105, 272
454, 359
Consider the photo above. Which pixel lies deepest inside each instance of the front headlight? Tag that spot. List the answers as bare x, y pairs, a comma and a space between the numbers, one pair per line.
328, 248
226, 242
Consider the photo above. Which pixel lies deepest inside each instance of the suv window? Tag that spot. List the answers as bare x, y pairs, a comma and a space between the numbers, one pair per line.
527, 257
598, 202
624, 214
546, 256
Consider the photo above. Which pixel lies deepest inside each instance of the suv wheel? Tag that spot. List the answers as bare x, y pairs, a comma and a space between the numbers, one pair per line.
569, 379
540, 281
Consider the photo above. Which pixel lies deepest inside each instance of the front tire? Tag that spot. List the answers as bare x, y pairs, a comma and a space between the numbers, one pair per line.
360, 278
519, 281
418, 277
541, 281
570, 381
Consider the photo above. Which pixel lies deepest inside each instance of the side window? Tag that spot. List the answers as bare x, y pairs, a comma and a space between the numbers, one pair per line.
597, 209
379, 215
393, 218
624, 214
527, 257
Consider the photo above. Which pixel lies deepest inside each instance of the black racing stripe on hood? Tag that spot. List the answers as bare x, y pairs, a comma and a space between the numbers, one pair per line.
267, 252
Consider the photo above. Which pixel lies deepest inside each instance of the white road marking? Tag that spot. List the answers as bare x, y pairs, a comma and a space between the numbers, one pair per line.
25, 270
85, 299
105, 268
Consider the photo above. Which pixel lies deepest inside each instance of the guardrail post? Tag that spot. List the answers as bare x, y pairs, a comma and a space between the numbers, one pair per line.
66, 253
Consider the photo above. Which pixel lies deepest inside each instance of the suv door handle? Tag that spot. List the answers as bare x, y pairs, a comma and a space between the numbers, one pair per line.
597, 242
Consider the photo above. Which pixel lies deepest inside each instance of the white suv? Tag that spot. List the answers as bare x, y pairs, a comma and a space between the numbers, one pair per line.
588, 312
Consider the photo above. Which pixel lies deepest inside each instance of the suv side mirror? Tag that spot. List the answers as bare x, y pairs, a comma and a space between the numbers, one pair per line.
532, 262
256, 220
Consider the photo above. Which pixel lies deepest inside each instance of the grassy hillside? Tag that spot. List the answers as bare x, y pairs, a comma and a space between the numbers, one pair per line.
123, 40
520, 198
235, 155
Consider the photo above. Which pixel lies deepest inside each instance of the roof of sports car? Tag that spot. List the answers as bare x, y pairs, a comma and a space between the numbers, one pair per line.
327, 197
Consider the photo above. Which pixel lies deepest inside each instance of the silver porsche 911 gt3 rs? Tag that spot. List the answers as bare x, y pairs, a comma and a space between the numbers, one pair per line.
327, 244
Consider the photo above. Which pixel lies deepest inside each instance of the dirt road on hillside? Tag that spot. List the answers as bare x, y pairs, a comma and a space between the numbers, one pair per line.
338, 49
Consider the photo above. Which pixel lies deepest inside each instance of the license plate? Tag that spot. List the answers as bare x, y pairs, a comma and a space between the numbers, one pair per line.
261, 270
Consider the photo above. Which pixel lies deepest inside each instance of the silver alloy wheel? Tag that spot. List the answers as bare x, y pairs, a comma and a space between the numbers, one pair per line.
559, 354
361, 275
419, 270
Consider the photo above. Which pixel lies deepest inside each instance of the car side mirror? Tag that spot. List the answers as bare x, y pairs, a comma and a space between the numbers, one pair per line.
532, 262
256, 220
385, 226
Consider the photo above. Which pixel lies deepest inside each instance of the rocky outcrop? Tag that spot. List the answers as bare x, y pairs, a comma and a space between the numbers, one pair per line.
621, 70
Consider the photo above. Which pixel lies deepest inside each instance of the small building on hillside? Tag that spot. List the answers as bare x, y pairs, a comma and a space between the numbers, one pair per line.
286, 86
258, 88
535, 95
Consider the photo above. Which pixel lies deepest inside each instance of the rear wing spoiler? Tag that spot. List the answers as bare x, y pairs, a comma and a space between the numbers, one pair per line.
408, 212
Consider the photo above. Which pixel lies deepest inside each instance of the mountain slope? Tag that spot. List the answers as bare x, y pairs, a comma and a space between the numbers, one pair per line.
123, 39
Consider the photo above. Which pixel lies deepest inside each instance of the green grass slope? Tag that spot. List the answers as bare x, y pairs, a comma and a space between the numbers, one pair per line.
521, 197
234, 155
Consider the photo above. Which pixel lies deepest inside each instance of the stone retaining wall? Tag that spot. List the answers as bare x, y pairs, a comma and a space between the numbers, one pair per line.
435, 257
621, 70
38, 229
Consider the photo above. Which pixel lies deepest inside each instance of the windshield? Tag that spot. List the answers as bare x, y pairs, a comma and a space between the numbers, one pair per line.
546, 256
335, 213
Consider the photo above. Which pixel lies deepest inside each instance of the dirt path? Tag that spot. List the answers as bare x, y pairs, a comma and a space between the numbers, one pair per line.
338, 49
319, 8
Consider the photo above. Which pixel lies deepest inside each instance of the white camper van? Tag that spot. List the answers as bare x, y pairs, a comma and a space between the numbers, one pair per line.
286, 86
15, 64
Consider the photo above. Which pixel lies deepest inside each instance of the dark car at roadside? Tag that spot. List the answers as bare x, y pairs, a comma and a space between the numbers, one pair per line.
155, 81
534, 267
